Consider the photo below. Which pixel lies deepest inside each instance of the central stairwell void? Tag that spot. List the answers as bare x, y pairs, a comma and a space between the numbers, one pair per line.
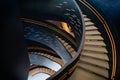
67, 40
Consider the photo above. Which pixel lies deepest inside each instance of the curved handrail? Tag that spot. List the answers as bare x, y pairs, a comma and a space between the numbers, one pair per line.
57, 31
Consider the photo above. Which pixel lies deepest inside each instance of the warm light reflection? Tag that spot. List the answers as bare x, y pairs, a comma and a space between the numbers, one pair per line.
65, 27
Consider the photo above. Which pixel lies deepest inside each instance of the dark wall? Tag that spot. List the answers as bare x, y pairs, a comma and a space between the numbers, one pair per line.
110, 10
13, 53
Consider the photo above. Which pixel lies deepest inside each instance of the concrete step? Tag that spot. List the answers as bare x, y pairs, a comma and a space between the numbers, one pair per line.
81, 74
95, 43
89, 24
93, 38
96, 70
92, 32
101, 56
86, 19
68, 47
96, 49
73, 54
84, 15
91, 28
95, 62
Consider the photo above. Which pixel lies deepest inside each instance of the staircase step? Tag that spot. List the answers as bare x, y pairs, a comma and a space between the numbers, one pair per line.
99, 71
89, 24
84, 15
96, 55
96, 49
71, 50
73, 54
65, 44
95, 43
63, 41
91, 28
95, 62
68, 47
86, 19
94, 38
92, 32
81, 74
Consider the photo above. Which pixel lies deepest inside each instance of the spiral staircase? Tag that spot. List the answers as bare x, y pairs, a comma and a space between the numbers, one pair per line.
95, 61
73, 44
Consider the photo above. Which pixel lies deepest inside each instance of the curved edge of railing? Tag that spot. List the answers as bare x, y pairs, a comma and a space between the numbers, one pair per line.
37, 46
68, 68
43, 69
41, 49
111, 38
46, 53
63, 31
54, 28
62, 34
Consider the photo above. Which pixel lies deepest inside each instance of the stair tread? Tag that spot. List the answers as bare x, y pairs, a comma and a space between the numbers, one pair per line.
81, 74
94, 61
94, 69
89, 23
95, 43
73, 54
92, 32
94, 38
91, 28
65, 44
84, 15
86, 19
68, 47
96, 49
96, 55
